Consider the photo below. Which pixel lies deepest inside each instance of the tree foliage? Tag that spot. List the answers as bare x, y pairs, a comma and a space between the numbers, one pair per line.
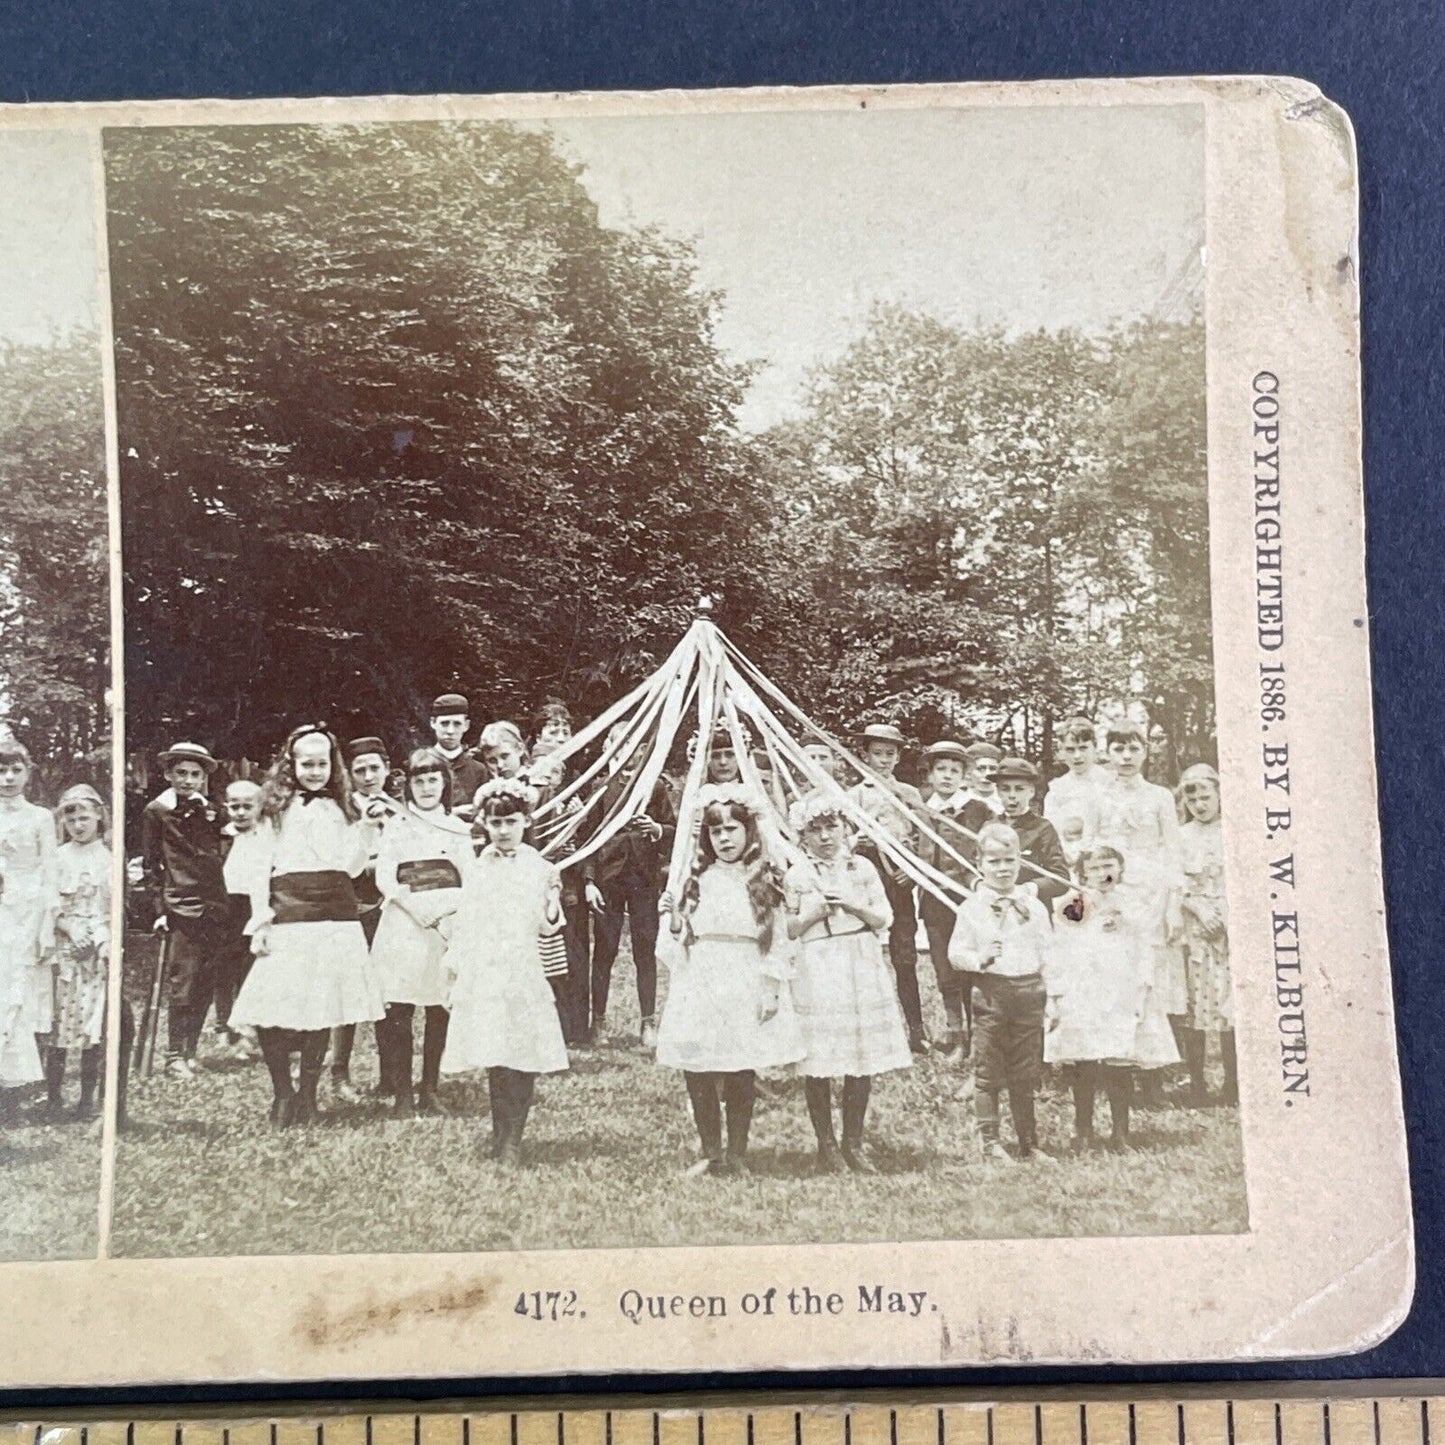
1002, 529
54, 561
399, 416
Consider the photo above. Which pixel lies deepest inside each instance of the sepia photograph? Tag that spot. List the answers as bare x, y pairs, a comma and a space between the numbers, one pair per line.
669, 683
684, 732
55, 683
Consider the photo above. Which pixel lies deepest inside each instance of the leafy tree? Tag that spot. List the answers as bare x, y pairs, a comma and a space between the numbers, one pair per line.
398, 415
997, 530
54, 559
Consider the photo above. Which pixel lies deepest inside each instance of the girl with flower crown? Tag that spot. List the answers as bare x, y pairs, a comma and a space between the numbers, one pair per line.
503, 1017
82, 945
729, 1012
312, 971
847, 1007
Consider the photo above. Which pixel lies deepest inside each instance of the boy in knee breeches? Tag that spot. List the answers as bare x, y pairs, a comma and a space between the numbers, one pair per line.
1004, 937
182, 848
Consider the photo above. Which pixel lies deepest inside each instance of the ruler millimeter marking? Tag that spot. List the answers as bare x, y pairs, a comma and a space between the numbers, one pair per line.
1340, 1419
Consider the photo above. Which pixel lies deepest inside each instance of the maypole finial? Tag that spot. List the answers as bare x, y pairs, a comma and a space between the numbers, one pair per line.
704, 605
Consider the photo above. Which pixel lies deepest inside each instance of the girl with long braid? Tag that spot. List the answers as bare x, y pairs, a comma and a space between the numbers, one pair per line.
729, 1010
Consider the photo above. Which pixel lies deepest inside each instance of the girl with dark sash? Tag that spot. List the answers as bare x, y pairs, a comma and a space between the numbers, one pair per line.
419, 865
312, 972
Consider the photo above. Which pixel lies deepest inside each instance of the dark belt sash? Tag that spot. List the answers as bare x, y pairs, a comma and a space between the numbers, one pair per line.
428, 875
323, 897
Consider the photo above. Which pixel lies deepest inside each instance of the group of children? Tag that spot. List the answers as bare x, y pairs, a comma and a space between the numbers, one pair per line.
54, 938
1089, 933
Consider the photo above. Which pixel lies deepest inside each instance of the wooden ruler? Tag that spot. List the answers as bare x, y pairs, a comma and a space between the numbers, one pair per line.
1346, 1416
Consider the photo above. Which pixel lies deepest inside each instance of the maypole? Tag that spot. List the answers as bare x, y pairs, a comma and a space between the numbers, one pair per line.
729, 696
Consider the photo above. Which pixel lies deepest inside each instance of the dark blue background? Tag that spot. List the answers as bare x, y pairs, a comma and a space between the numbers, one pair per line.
1385, 63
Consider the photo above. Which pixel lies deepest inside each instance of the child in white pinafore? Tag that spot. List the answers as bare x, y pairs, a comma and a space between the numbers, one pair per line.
82, 947
1099, 1019
28, 900
311, 972
729, 1012
503, 1017
1206, 934
420, 861
843, 991
1140, 819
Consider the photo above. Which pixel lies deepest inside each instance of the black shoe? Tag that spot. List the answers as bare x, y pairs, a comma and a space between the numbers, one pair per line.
829, 1160
857, 1160
403, 1107
918, 1042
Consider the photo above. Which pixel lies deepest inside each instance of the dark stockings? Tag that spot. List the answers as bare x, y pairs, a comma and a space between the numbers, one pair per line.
394, 1044
183, 1030
1118, 1085
713, 1095
1192, 1044
293, 1105
511, 1093
90, 1061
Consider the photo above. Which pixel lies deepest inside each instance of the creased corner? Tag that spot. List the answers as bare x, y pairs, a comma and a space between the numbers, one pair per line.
1266, 1341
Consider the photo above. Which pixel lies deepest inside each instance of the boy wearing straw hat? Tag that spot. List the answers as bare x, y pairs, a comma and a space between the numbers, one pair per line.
894, 805
182, 848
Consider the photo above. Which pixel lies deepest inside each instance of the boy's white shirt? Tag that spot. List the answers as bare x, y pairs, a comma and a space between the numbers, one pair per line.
1025, 944
954, 803
248, 857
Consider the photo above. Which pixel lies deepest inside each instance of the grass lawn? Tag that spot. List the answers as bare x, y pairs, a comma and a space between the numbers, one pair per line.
49, 1181
201, 1172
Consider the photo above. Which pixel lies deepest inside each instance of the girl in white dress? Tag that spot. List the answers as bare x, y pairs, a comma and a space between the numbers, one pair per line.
82, 946
1206, 933
843, 990
419, 865
1141, 820
311, 972
503, 1018
27, 918
1099, 1018
729, 1012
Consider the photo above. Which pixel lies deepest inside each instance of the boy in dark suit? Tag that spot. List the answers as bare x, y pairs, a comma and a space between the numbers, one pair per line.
955, 815
182, 849
627, 878
1040, 851
894, 805
450, 719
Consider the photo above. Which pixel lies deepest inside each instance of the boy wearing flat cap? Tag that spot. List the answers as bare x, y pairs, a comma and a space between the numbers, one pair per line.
182, 849
450, 718
955, 815
1040, 851
894, 805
